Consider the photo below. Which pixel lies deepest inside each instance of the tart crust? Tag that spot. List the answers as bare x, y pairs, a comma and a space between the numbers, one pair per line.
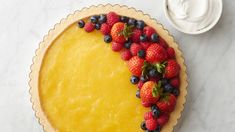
101, 9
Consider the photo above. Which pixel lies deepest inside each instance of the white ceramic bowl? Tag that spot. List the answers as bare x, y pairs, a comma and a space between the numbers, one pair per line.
165, 7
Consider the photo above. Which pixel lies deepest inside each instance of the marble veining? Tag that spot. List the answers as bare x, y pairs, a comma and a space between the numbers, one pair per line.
210, 59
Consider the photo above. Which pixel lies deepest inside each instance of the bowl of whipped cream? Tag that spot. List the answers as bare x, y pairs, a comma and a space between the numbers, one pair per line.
193, 16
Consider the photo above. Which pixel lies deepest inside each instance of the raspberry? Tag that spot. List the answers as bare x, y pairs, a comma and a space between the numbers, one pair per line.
170, 53
140, 84
89, 27
135, 37
175, 82
135, 48
163, 43
126, 55
145, 45
151, 124
149, 31
148, 115
105, 29
116, 46
112, 18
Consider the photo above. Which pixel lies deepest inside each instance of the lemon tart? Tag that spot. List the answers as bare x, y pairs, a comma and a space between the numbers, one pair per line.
78, 83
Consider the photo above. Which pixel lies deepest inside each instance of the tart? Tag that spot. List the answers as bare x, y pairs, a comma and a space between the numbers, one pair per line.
91, 69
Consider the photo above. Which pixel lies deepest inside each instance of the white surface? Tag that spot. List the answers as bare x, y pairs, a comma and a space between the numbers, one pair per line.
210, 58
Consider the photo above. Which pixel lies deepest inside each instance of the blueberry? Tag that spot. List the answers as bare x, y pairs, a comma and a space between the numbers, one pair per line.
153, 73
168, 88
154, 38
124, 19
131, 21
175, 92
153, 107
81, 23
140, 24
94, 19
127, 45
164, 81
141, 53
107, 38
102, 19
134, 79
143, 125
97, 26
143, 38
155, 111
158, 129
143, 78
137, 94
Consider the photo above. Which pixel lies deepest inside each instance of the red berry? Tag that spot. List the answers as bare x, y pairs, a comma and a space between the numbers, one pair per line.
155, 53
135, 65
135, 37
140, 84
145, 45
163, 119
167, 104
148, 115
149, 31
175, 82
89, 27
170, 53
172, 69
117, 46
151, 124
105, 29
135, 48
115, 32
126, 55
146, 104
163, 43
112, 18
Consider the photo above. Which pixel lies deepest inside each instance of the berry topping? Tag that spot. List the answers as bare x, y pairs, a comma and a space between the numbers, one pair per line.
134, 79
168, 88
126, 55
140, 24
154, 38
143, 78
81, 23
94, 19
107, 38
155, 53
170, 53
143, 38
112, 18
167, 103
175, 92
116, 46
149, 31
89, 27
156, 112
97, 26
175, 82
145, 45
105, 29
148, 115
164, 81
127, 44
102, 19
120, 32
135, 65
153, 73
141, 53
151, 124
140, 84
137, 93
143, 125
135, 48
163, 43
131, 21
163, 119
124, 19
135, 37
172, 69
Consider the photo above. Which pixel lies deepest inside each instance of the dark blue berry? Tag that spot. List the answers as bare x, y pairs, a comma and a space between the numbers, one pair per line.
143, 78
143, 38
141, 53
107, 38
143, 125
102, 19
81, 23
164, 81
127, 45
153, 73
168, 88
140, 24
97, 26
175, 92
154, 38
94, 19
137, 94
124, 19
158, 129
155, 111
131, 21
134, 79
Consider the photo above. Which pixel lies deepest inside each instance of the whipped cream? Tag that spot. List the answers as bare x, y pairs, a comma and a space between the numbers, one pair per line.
193, 15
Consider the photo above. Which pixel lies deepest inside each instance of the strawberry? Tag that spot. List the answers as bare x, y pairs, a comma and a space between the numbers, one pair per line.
120, 32
112, 18
105, 29
151, 124
148, 115
170, 53
155, 53
145, 45
135, 65
163, 119
117, 46
146, 104
172, 69
149, 31
126, 55
175, 82
135, 37
149, 93
89, 27
135, 48
167, 103
163, 43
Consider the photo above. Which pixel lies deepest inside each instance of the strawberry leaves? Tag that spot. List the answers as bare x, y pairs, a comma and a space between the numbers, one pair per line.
157, 89
127, 31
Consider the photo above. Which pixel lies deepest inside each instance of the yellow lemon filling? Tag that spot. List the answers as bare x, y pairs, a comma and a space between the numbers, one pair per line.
84, 86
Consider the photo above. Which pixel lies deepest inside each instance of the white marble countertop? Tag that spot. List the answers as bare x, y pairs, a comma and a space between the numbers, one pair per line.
210, 59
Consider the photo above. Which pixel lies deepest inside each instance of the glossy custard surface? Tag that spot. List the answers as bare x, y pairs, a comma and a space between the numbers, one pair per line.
84, 86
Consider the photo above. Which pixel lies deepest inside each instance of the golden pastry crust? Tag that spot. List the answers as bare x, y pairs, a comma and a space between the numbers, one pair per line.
101, 9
